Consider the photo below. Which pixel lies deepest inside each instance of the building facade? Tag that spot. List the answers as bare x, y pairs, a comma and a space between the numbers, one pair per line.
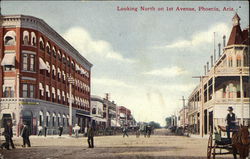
225, 83
97, 112
36, 63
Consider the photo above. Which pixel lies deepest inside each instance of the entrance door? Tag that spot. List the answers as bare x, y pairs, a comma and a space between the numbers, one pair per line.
28, 119
211, 121
205, 121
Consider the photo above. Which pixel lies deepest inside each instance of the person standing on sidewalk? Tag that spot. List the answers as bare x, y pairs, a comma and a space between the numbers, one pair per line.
90, 134
45, 131
8, 134
76, 129
60, 130
125, 131
231, 121
40, 128
25, 133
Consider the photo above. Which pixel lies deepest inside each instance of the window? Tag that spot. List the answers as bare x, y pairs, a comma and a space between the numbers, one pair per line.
48, 48
25, 91
28, 62
28, 91
25, 62
26, 37
32, 62
41, 44
238, 61
33, 39
230, 62
10, 38
32, 91
54, 52
8, 92
9, 68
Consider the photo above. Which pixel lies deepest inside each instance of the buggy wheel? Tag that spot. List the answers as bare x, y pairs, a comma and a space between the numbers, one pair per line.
209, 146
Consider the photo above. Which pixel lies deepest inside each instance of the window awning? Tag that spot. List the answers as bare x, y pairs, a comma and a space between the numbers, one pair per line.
113, 123
42, 65
122, 115
9, 59
99, 119
40, 86
78, 68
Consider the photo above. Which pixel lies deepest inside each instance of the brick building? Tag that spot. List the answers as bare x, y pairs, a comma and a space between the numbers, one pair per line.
36, 63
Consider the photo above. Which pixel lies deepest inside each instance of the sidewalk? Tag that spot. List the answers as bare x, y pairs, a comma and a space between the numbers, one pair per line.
52, 136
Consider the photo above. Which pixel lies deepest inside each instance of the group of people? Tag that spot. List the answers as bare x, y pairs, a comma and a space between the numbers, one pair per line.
25, 132
40, 129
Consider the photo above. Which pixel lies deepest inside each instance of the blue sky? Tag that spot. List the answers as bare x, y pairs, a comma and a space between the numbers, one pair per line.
145, 60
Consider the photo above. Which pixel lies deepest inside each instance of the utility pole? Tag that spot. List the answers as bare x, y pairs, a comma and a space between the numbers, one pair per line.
184, 111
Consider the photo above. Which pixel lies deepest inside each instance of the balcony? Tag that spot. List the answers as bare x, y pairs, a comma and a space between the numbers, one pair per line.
229, 71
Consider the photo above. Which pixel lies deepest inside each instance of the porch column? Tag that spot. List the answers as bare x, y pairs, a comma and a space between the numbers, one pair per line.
241, 97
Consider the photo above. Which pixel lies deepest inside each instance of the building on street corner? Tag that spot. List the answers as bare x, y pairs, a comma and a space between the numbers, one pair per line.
36, 63
225, 83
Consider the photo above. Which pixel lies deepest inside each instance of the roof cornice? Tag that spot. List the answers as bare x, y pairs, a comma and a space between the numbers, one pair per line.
40, 25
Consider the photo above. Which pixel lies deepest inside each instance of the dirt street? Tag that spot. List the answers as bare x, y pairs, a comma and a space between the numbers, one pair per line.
158, 146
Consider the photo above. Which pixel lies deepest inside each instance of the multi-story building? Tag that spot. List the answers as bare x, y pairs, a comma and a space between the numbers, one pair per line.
183, 115
124, 116
225, 84
97, 111
36, 63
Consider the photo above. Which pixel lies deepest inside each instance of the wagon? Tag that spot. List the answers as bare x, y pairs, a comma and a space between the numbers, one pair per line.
219, 145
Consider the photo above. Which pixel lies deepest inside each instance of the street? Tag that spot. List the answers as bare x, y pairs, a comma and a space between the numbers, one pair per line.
157, 146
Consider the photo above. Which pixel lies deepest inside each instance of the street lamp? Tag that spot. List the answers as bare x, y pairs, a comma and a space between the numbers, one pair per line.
71, 81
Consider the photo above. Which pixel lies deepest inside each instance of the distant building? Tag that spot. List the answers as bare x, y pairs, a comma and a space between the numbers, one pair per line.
36, 63
97, 111
226, 83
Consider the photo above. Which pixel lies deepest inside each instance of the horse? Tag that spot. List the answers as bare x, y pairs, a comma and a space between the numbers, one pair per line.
240, 142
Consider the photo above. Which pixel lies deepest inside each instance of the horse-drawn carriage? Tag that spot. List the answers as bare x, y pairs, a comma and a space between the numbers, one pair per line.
238, 144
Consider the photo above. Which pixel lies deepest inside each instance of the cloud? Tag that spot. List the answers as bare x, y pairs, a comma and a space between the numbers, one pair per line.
110, 82
167, 72
199, 38
85, 44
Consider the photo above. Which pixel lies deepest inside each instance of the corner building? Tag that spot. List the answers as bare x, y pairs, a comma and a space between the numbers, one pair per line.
225, 84
36, 63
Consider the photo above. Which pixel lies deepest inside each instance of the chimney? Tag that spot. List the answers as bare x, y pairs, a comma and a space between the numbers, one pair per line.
207, 66
212, 61
205, 69
224, 40
219, 49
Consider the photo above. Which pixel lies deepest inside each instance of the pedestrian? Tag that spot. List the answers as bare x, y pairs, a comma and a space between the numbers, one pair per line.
25, 133
231, 121
8, 134
125, 131
40, 128
90, 134
45, 131
60, 130
76, 129
149, 131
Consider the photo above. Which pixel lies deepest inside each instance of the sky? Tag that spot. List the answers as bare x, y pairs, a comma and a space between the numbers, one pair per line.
145, 60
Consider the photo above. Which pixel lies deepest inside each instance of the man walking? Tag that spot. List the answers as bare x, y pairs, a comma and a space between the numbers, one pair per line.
90, 134
8, 134
60, 130
231, 121
125, 131
25, 133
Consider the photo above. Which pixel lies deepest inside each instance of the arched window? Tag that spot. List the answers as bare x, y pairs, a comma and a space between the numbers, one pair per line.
47, 119
48, 47
53, 119
33, 39
10, 38
54, 51
41, 43
59, 55
26, 37
58, 119
230, 61
238, 61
